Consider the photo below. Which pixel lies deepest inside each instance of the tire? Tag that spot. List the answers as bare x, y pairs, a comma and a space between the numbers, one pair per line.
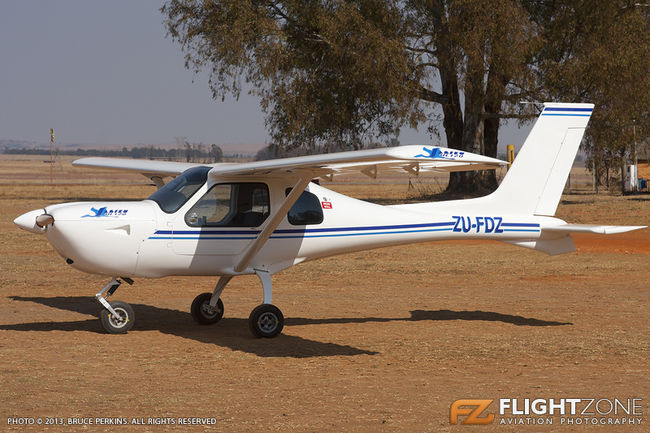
266, 321
119, 325
203, 313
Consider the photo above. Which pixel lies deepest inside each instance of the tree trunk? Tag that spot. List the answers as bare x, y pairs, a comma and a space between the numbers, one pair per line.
454, 126
470, 182
490, 142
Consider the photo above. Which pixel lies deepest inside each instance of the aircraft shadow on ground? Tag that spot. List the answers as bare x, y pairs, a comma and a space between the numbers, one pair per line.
233, 332
419, 315
230, 332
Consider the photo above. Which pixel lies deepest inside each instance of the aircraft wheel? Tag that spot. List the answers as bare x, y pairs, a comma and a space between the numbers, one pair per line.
120, 324
205, 314
266, 321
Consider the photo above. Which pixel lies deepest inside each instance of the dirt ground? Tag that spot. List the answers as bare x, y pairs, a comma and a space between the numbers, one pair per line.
376, 341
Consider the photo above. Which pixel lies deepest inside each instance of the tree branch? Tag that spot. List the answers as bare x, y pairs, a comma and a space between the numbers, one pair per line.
279, 11
421, 50
508, 116
431, 96
427, 64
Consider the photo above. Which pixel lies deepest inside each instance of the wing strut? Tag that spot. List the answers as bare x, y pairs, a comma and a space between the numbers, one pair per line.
273, 223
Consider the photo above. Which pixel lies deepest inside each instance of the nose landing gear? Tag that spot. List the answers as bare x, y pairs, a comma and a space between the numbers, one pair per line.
119, 322
117, 317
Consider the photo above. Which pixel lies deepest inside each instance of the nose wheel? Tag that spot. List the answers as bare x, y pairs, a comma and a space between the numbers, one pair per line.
120, 321
117, 317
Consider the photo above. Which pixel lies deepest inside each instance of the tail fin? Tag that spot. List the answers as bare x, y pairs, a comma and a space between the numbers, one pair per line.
535, 182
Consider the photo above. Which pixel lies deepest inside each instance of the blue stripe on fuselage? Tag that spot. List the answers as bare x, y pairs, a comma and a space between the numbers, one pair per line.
327, 232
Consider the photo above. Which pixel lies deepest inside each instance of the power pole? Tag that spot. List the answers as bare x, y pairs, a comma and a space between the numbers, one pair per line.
51, 152
636, 159
510, 154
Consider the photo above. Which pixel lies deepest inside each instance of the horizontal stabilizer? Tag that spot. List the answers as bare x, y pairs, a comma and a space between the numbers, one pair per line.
552, 247
588, 228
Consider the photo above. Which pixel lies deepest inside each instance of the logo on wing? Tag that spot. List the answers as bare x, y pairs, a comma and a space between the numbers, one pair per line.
437, 153
105, 212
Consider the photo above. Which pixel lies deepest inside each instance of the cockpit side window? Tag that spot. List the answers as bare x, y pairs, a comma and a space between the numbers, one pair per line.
231, 205
175, 193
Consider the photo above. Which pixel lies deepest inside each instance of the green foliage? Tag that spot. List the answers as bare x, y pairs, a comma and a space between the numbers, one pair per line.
328, 73
340, 74
599, 51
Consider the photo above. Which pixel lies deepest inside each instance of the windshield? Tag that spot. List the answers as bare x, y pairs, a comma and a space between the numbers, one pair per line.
176, 192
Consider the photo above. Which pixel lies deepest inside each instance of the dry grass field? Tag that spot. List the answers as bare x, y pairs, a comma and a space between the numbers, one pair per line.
376, 341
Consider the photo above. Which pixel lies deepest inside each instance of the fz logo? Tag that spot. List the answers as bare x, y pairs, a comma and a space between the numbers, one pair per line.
472, 409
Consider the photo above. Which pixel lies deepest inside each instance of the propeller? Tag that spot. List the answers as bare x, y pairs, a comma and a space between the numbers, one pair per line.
44, 220
35, 221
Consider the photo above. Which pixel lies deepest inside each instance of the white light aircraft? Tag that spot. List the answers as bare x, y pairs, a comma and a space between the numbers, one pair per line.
262, 217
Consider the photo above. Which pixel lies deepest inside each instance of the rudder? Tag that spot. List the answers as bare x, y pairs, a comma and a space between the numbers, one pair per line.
535, 182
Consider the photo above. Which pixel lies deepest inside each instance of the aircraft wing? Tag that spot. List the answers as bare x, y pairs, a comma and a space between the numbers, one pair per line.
412, 159
154, 170
144, 166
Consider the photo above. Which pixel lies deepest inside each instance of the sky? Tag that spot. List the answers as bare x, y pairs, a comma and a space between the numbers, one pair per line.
104, 73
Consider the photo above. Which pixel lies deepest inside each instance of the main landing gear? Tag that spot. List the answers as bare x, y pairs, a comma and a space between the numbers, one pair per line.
265, 321
207, 308
117, 317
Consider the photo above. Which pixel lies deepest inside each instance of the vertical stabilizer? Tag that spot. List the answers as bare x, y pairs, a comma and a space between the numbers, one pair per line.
535, 182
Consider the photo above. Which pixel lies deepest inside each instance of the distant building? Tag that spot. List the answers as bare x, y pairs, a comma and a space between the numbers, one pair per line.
643, 173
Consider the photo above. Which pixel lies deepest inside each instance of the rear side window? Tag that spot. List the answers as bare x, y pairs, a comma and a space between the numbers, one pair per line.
306, 210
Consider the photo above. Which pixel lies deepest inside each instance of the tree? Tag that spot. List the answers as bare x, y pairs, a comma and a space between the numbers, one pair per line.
216, 154
338, 74
599, 51
327, 73
482, 55
189, 152
334, 75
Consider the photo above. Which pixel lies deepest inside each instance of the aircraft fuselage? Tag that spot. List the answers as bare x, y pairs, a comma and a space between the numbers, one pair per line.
139, 239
